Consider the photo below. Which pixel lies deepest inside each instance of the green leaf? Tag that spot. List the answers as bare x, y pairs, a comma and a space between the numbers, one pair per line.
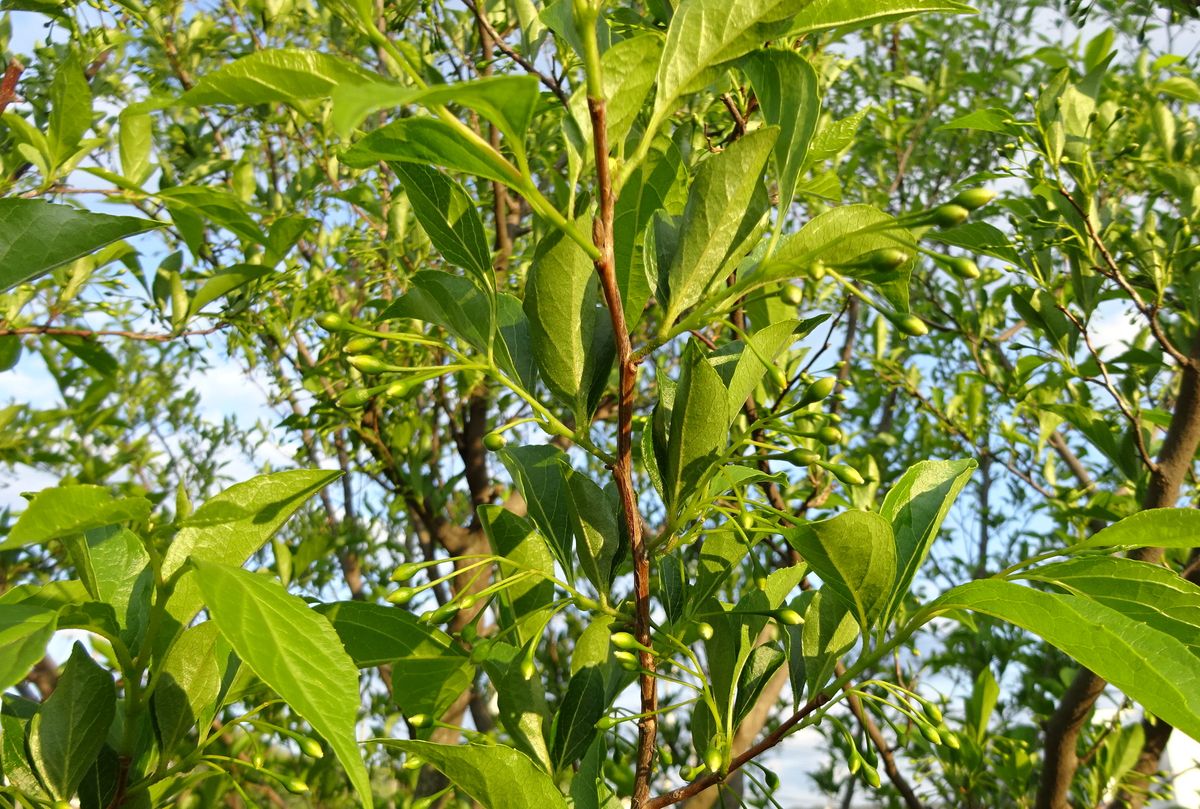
1152, 528
70, 108
498, 777
24, 632
698, 432
428, 670
539, 473
627, 69
448, 215
978, 237
916, 506
597, 535
821, 15
1152, 594
430, 142
67, 510
741, 364
232, 526
563, 305
1153, 668
706, 33
450, 301
717, 202
37, 236
515, 538
855, 555
520, 700
761, 666
135, 140
120, 566
828, 632
287, 76
981, 703
66, 735
993, 119
310, 671
223, 282
189, 684
575, 723
14, 761
786, 87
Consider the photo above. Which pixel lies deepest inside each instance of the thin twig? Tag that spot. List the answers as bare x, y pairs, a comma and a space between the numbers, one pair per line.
91, 334
549, 81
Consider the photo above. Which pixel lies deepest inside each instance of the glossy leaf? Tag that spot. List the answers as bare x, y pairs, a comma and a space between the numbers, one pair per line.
539, 473
828, 632
230, 528
575, 723
1152, 528
719, 197
124, 580
68, 510
448, 215
916, 505
1153, 668
66, 734
855, 556
821, 15
14, 759
312, 672
786, 87
516, 538
224, 282
699, 431
189, 683
597, 536
24, 632
497, 777
430, 142
286, 75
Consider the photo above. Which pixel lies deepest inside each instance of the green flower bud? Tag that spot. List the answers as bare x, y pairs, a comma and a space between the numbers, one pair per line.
330, 321
818, 390
871, 776
705, 630
405, 572
885, 260
627, 660
587, 604
412, 762
854, 761
829, 435
817, 269
494, 441
974, 198
665, 755
402, 596
528, 669
963, 267
846, 474
441, 615
951, 740
802, 457
909, 324
691, 773
360, 345
310, 747
354, 398
931, 735
626, 641
368, 364
948, 215
772, 779
420, 720
295, 786
791, 295
714, 759
789, 616
932, 711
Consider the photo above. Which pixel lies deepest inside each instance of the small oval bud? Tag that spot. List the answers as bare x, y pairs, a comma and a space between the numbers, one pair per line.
951, 740
871, 776
772, 779
910, 324
295, 786
829, 435
368, 364
963, 267
360, 345
929, 732
420, 720
818, 390
789, 616
405, 572
705, 630
948, 215
310, 747
528, 669
627, 660
714, 759
802, 457
791, 295
846, 474
494, 441
665, 755
818, 269
886, 259
331, 321
626, 641
402, 596
354, 398
974, 198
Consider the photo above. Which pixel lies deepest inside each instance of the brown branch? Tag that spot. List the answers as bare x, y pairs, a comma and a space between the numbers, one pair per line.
1063, 729
549, 81
8, 86
711, 779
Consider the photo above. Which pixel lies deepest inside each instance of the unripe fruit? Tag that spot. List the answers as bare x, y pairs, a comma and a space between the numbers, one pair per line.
368, 364
928, 731
665, 755
789, 616
691, 773
791, 295
606, 722
421, 720
627, 660
829, 435
886, 259
951, 740
494, 441
626, 641
817, 269
360, 345
963, 267
704, 630
441, 615
818, 390
527, 669
772, 779
932, 711
354, 398
948, 215
871, 776
330, 321
974, 198
846, 474
802, 457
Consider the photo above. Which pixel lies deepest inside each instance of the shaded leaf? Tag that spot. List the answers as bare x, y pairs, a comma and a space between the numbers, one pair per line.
855, 555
